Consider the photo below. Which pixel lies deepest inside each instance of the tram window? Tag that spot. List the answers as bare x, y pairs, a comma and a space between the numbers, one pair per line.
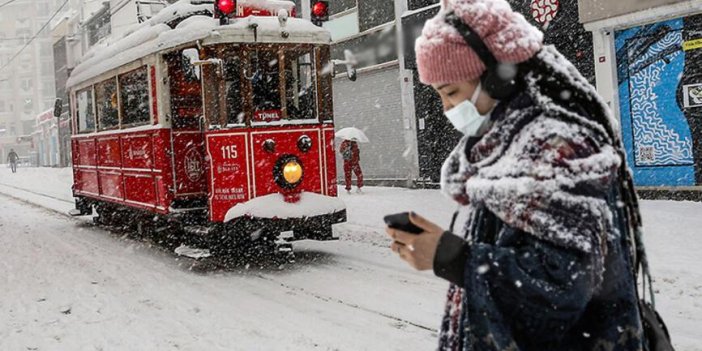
86, 111
235, 100
300, 87
134, 97
265, 81
106, 96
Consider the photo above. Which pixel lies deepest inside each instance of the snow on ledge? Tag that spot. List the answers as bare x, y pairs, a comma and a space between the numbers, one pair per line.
274, 206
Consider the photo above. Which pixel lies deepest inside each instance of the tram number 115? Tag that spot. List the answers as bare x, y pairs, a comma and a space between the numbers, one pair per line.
230, 152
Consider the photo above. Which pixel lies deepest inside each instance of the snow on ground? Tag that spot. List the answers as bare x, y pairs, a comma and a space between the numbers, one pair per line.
348, 295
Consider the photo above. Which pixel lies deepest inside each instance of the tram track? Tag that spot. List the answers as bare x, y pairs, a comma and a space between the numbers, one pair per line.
213, 265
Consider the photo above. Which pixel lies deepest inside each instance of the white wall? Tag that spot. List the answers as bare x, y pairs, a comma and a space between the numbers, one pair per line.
124, 15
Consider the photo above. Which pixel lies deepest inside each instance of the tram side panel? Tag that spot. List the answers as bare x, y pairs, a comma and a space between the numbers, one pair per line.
130, 169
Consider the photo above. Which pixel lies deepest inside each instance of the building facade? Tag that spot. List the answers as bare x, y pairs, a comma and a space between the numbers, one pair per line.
82, 25
410, 138
26, 70
374, 102
648, 60
45, 141
436, 138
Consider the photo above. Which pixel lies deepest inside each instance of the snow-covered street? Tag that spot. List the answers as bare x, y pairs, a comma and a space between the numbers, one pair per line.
67, 285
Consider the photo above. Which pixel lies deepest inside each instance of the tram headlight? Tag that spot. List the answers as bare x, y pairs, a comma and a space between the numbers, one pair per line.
292, 172
288, 172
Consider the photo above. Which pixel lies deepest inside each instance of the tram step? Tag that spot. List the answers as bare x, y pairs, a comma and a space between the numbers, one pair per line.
77, 213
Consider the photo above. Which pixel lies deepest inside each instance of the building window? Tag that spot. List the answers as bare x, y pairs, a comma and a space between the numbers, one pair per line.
43, 9
86, 111
28, 106
339, 6
134, 97
106, 97
26, 84
418, 4
99, 26
375, 13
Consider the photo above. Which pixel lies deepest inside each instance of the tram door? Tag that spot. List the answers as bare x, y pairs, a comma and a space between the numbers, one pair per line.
187, 135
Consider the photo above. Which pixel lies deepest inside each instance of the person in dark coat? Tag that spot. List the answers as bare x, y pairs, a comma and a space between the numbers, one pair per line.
352, 163
12, 158
544, 261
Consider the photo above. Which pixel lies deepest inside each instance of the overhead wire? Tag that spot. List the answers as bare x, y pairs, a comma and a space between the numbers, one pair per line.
35, 35
7, 3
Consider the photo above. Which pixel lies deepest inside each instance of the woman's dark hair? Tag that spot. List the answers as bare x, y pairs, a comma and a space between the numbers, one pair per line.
556, 85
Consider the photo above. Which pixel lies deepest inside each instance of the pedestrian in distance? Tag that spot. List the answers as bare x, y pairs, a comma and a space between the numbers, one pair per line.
352, 164
544, 261
12, 158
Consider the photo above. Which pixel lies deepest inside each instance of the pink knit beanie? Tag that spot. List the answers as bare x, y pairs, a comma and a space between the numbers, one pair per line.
443, 57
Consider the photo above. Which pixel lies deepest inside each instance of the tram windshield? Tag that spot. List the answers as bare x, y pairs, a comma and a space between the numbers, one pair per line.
266, 84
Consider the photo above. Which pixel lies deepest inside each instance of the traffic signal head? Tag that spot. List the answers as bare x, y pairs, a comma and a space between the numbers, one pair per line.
224, 9
320, 12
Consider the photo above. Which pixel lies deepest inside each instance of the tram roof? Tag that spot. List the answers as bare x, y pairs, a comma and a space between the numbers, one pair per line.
152, 37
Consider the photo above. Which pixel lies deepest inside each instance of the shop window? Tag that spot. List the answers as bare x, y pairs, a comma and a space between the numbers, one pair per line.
134, 97
86, 111
106, 98
300, 87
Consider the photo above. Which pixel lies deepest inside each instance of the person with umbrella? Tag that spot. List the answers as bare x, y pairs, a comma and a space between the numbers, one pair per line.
351, 155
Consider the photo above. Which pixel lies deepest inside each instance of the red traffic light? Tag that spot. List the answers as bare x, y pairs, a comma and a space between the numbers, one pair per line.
320, 12
227, 7
320, 9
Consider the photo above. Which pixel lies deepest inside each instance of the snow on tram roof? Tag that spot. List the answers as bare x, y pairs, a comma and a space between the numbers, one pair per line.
155, 35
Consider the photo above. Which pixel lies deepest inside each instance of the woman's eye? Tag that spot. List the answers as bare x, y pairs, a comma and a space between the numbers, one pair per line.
451, 94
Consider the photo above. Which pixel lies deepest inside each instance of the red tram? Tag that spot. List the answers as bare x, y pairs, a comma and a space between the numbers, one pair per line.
222, 131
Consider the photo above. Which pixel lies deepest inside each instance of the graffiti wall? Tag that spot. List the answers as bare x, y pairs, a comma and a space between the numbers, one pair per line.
659, 92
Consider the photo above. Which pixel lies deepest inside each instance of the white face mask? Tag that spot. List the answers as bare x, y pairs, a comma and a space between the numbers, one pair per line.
465, 116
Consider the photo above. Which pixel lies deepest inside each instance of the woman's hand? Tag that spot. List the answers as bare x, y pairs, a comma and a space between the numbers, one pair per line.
417, 250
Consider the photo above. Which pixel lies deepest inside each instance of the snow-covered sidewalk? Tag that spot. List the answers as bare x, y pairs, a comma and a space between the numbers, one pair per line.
346, 295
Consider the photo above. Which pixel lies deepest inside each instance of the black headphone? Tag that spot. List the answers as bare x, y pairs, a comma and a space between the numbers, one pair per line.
498, 80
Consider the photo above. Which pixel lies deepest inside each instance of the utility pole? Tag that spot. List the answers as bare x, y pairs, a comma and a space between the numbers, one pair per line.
407, 90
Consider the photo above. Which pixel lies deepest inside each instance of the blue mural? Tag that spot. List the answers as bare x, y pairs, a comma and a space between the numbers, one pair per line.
655, 128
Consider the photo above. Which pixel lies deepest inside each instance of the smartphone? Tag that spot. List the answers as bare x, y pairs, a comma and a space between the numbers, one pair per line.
401, 221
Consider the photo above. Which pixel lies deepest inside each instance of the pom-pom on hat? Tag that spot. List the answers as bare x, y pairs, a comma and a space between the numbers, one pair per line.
443, 56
